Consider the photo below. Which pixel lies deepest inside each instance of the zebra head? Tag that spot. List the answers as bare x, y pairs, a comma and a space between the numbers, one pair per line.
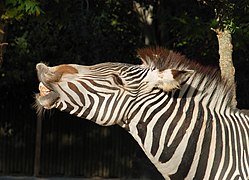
102, 92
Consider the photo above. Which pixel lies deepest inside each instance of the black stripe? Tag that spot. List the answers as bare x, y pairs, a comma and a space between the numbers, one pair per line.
205, 148
239, 120
169, 151
60, 106
79, 110
134, 112
136, 75
227, 148
95, 84
86, 87
139, 79
133, 71
107, 106
234, 134
74, 88
227, 151
69, 107
190, 151
142, 126
99, 106
88, 110
219, 146
70, 98
116, 101
157, 129
127, 97
118, 80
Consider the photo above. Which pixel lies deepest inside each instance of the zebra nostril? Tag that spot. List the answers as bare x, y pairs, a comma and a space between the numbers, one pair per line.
41, 67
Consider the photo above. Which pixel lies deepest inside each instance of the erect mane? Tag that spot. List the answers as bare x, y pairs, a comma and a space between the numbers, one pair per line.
161, 59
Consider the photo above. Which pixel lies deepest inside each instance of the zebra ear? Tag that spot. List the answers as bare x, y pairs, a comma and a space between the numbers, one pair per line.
168, 80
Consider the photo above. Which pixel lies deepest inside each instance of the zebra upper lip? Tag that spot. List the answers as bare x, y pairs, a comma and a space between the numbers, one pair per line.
44, 91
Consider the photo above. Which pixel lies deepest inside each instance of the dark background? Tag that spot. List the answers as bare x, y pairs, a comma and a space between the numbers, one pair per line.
90, 32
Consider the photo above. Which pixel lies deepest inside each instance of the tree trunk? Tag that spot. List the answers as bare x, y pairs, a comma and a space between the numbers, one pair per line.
2, 43
145, 15
226, 63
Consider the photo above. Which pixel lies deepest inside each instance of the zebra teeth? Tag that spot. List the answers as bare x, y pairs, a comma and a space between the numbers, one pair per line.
43, 89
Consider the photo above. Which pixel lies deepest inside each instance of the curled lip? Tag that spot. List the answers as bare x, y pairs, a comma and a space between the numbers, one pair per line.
47, 98
44, 91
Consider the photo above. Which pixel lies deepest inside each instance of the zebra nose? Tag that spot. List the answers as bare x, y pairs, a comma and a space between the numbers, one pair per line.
41, 67
44, 75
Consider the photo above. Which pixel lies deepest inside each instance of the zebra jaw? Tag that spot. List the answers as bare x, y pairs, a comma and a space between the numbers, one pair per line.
46, 98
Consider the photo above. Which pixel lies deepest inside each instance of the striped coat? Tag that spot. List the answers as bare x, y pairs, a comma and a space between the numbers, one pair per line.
177, 110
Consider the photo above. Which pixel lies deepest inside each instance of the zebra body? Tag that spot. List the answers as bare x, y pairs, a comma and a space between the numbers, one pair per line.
177, 111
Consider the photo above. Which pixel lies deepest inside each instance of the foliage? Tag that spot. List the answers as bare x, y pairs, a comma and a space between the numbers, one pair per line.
185, 27
17, 9
88, 32
228, 13
75, 32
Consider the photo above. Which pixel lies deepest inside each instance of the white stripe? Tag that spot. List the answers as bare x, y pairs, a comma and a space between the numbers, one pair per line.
239, 120
101, 115
185, 108
195, 162
166, 125
152, 108
238, 141
172, 165
230, 130
63, 96
125, 107
109, 112
133, 124
149, 135
213, 143
92, 111
221, 120
119, 115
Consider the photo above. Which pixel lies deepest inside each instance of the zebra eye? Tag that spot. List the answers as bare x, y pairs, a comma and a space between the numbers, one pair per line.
118, 80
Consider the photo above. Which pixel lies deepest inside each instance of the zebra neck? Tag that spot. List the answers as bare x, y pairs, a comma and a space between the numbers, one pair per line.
184, 138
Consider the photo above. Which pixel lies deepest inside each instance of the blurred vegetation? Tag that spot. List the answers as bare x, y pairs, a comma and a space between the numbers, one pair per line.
89, 32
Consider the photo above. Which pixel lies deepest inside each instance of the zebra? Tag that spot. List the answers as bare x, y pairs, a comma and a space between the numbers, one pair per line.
177, 110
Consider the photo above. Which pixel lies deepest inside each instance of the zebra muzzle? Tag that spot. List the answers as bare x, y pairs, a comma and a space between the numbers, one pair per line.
46, 98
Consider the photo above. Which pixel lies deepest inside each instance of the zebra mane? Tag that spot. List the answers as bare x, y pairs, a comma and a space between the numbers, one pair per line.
161, 59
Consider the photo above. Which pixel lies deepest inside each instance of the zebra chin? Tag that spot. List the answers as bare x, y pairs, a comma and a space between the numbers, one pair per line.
48, 101
43, 103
